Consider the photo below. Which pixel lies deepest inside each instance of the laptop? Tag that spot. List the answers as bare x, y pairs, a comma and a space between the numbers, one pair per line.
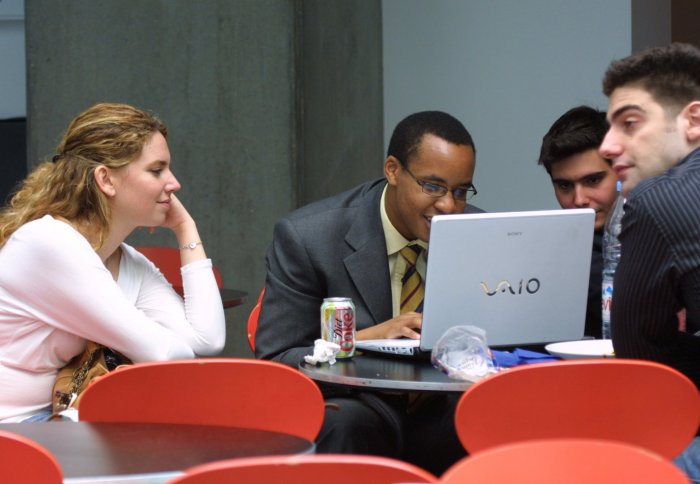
521, 276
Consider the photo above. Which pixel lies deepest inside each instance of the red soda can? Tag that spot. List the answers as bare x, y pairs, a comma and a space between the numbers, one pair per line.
338, 324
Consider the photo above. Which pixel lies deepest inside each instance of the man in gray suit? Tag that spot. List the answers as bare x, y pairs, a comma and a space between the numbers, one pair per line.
348, 246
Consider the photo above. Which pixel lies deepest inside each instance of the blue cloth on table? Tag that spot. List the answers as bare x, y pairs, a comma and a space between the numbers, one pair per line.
520, 356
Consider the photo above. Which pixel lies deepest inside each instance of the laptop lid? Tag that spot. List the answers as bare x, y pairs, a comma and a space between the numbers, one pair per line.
521, 276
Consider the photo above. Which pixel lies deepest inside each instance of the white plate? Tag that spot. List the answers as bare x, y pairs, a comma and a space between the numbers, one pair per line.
587, 348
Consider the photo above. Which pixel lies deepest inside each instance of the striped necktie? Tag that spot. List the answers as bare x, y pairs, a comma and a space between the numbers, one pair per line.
412, 288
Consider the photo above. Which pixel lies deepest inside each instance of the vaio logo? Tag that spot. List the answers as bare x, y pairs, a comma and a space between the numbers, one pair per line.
530, 287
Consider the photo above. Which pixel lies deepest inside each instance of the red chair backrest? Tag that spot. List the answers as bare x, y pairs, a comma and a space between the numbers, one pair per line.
306, 469
167, 259
240, 392
570, 461
23, 460
253, 321
634, 401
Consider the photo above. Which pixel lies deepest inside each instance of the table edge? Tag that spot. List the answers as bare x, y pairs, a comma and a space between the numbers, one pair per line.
359, 382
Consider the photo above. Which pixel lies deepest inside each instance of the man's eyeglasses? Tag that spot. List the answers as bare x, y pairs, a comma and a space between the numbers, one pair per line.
460, 194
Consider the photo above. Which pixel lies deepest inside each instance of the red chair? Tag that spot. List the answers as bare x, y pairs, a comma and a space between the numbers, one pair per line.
23, 460
167, 259
633, 401
253, 321
240, 392
570, 461
307, 469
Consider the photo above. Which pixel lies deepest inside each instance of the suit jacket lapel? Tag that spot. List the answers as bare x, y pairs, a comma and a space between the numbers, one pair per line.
368, 265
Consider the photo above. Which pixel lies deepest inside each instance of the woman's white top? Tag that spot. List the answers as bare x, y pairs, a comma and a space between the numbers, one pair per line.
56, 293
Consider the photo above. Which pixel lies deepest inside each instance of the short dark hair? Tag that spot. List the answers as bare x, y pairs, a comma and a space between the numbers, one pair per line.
579, 129
410, 131
671, 74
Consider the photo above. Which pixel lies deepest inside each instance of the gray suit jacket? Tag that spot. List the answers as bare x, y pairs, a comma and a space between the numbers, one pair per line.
331, 248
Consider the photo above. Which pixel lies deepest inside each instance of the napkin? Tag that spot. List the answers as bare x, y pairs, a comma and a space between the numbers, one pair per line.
324, 352
520, 356
69, 414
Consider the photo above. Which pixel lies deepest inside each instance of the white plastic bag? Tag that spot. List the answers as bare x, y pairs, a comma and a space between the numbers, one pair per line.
462, 353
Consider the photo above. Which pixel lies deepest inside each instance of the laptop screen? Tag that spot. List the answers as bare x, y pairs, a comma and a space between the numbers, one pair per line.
521, 276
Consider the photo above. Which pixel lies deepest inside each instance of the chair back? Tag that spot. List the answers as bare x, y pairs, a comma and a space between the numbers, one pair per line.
23, 460
253, 321
633, 401
306, 469
238, 392
573, 461
167, 259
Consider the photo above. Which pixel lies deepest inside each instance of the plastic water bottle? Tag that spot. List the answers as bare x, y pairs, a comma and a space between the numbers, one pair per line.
611, 256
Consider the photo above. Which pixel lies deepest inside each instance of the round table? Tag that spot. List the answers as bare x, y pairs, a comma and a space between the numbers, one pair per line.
230, 298
388, 372
149, 452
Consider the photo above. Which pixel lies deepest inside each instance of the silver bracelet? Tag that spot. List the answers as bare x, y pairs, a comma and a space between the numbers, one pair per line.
191, 245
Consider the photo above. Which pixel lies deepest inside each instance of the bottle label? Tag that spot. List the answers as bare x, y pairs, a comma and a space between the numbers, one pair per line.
607, 305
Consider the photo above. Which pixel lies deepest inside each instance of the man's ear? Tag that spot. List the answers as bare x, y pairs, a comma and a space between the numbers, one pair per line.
391, 169
103, 178
692, 114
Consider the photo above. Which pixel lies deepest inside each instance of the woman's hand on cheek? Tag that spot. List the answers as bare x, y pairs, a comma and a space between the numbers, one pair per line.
177, 215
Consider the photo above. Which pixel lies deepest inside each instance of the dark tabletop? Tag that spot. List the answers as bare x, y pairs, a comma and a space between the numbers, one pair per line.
232, 297
390, 372
229, 297
123, 450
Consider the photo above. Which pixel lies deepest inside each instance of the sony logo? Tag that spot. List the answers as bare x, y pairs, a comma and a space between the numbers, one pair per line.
531, 286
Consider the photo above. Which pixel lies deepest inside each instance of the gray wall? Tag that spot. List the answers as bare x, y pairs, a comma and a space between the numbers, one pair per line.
651, 23
341, 69
12, 56
508, 69
256, 109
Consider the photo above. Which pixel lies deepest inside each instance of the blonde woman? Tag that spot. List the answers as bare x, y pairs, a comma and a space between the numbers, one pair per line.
66, 275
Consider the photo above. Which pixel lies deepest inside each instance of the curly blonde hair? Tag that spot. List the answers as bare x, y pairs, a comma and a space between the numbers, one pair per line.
106, 134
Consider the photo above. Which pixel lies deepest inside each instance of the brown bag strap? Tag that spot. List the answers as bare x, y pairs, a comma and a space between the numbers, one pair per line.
78, 367
95, 360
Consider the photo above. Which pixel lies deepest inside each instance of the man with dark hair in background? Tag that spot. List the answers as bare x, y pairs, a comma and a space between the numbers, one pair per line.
582, 178
351, 245
654, 144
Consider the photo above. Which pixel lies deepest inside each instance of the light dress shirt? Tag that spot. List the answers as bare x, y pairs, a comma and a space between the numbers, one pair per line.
397, 265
